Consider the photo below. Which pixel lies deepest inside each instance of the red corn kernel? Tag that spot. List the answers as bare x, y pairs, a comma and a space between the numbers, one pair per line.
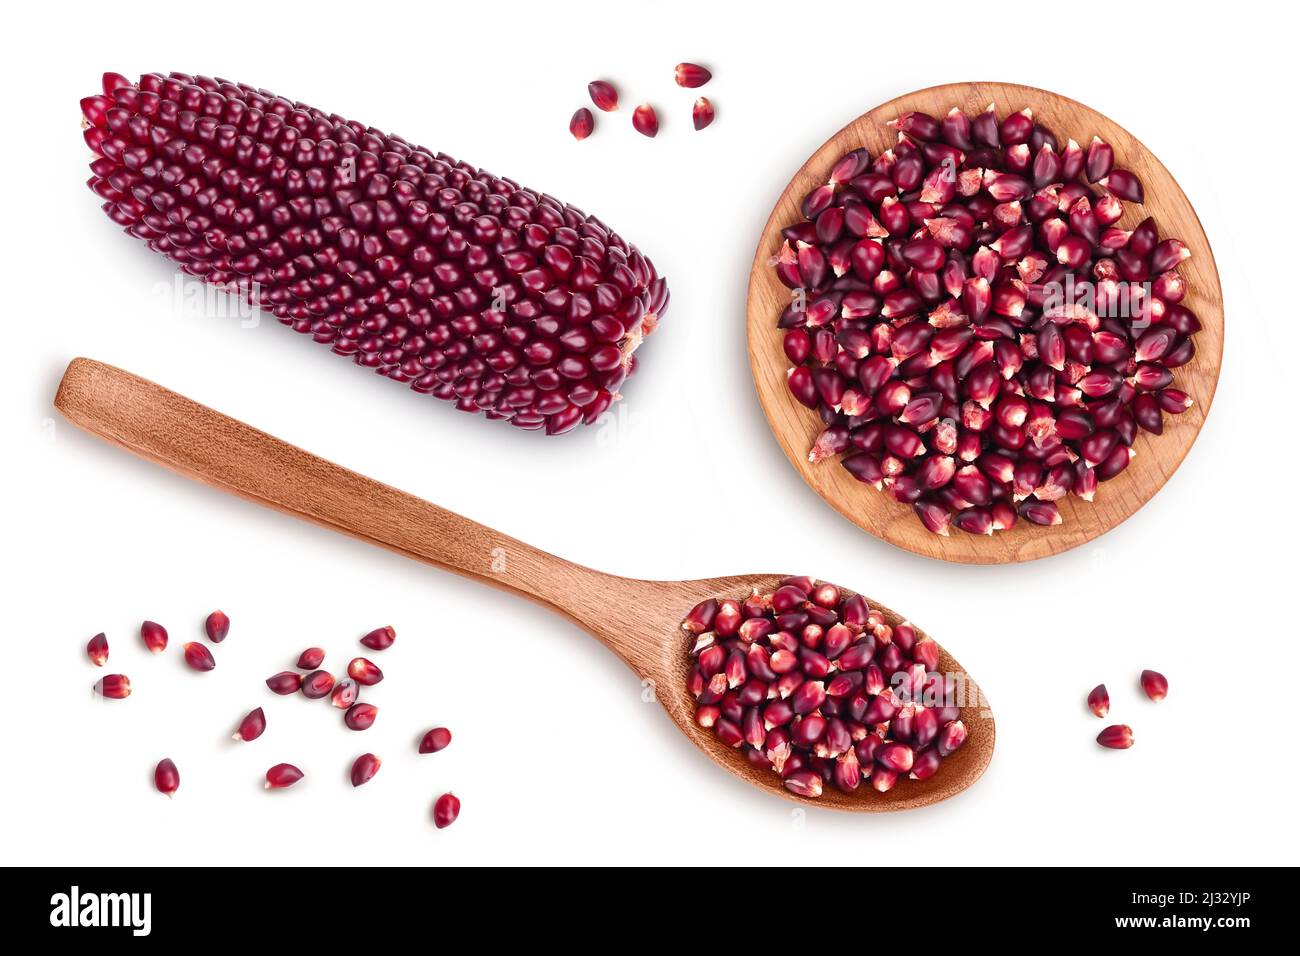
974, 520
154, 636
702, 114
926, 764
728, 732
1004, 515
1072, 160
284, 683
317, 684
1085, 480
788, 597
282, 775
956, 130
783, 661
826, 595
810, 695
848, 772
445, 810
217, 626
113, 686
1017, 127
1116, 737
1115, 462
883, 779
166, 778
701, 617
1154, 685
952, 736
582, 124
94, 108
603, 95
345, 694
360, 716
703, 642
691, 75
735, 668
114, 81
311, 658
381, 638
97, 650
804, 783
1040, 512
1099, 161
438, 738
1123, 184
807, 731
729, 618
252, 726
363, 768
199, 657
364, 672
753, 628
1099, 701
1167, 255
936, 518
645, 121
897, 757
1170, 287
925, 653
918, 125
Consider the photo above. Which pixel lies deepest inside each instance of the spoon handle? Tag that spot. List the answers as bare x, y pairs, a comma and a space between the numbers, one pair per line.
203, 444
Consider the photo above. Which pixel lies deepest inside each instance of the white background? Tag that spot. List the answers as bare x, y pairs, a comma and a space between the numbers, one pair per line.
555, 757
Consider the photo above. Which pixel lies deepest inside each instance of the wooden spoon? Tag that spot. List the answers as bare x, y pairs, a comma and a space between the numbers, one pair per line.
1158, 456
640, 621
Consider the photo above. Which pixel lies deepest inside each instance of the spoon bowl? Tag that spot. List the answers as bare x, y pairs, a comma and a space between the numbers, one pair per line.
640, 621
659, 653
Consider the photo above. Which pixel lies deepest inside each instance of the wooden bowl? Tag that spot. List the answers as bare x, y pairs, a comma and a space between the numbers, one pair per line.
1158, 456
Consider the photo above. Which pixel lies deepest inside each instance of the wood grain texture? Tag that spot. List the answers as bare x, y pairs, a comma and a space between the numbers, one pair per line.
1157, 458
637, 620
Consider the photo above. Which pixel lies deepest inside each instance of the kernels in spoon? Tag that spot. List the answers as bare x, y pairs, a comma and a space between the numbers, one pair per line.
801, 687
